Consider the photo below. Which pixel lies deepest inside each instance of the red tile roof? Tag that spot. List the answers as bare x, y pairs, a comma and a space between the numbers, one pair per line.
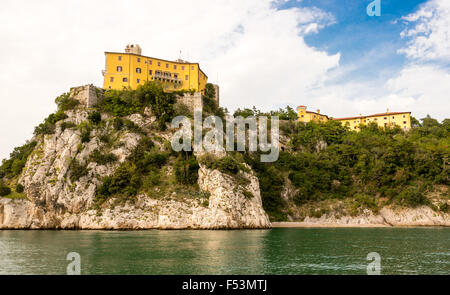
374, 115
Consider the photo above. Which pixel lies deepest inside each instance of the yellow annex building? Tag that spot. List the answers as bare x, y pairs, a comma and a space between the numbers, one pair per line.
131, 69
388, 119
307, 116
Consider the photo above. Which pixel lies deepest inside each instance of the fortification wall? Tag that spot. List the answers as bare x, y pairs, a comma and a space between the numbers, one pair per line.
216, 98
192, 101
86, 95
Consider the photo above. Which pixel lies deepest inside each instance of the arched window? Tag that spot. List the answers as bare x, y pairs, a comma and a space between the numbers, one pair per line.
119, 68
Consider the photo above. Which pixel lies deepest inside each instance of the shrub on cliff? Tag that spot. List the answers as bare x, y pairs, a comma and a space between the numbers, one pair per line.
85, 129
48, 126
77, 170
122, 103
139, 172
19, 188
4, 190
67, 125
144, 145
124, 181
186, 169
102, 159
95, 117
65, 102
412, 197
18, 158
226, 164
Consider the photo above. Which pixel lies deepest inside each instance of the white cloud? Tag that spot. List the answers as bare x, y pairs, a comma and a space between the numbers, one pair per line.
422, 86
257, 51
420, 89
430, 32
423, 89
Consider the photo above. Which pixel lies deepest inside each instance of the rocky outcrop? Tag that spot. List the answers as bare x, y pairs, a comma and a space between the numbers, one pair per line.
388, 216
336, 215
55, 202
227, 208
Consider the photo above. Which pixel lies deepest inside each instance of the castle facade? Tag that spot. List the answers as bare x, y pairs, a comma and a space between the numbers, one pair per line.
130, 69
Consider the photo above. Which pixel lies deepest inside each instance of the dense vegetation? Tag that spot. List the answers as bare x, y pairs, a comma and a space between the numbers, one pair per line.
64, 103
125, 102
327, 161
17, 159
287, 114
323, 161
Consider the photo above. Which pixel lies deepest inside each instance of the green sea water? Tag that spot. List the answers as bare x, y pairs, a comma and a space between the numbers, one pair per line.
275, 251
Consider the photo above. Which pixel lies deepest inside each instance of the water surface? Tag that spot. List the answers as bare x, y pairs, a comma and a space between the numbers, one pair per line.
275, 251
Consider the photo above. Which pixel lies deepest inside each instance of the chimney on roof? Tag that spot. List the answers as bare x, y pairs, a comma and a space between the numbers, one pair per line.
133, 48
387, 110
318, 111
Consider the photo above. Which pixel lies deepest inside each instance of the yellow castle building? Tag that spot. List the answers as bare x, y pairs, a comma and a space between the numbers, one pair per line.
307, 116
130, 69
386, 120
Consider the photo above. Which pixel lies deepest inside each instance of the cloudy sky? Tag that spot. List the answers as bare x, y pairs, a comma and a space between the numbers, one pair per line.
326, 54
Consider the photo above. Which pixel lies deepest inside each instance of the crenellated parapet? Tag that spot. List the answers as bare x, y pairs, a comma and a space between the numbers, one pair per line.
87, 95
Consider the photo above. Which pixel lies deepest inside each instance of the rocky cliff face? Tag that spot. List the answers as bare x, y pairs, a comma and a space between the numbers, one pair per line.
333, 213
388, 216
54, 201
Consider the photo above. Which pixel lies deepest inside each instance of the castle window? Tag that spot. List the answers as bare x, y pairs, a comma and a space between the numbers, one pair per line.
404, 116
111, 79
385, 118
174, 67
192, 67
182, 67
175, 76
138, 81
119, 69
186, 77
404, 122
120, 57
159, 63
303, 116
149, 61
150, 72
138, 70
139, 60
125, 80
393, 117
